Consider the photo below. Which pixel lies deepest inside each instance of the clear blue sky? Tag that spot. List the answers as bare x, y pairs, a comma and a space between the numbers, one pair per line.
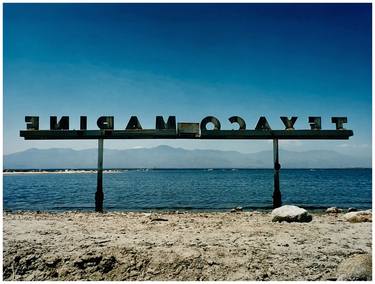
188, 60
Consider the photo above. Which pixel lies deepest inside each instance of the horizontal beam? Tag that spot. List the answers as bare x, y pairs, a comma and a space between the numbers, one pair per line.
277, 134
172, 134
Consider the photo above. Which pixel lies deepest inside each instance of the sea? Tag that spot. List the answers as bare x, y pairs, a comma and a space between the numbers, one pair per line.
188, 189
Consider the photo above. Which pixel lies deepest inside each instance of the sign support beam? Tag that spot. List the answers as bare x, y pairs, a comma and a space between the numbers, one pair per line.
99, 195
276, 177
195, 134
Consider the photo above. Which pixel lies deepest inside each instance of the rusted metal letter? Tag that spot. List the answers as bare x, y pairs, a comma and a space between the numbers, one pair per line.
262, 124
339, 122
289, 123
210, 119
240, 121
315, 122
171, 123
105, 122
62, 124
83, 123
133, 123
32, 122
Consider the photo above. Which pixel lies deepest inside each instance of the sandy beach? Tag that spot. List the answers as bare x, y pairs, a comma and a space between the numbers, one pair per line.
177, 246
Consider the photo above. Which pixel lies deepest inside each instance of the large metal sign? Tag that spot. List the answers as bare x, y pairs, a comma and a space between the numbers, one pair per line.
183, 130
60, 129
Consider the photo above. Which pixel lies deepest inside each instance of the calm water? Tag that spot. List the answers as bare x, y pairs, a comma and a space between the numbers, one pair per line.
189, 189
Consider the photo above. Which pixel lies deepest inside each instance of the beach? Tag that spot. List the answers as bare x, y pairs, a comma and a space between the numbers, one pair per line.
177, 246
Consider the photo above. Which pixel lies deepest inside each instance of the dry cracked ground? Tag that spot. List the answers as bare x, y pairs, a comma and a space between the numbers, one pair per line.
171, 246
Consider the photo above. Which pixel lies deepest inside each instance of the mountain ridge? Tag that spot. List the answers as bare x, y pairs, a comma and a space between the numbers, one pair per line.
164, 156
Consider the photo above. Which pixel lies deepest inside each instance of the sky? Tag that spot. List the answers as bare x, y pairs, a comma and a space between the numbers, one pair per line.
191, 61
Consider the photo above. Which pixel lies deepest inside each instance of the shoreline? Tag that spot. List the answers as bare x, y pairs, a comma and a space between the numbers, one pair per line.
61, 172
177, 246
179, 210
123, 170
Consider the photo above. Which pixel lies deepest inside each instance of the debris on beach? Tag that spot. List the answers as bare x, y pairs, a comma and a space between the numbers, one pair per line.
290, 213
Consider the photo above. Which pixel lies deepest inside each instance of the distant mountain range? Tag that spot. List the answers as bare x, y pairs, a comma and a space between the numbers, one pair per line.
169, 157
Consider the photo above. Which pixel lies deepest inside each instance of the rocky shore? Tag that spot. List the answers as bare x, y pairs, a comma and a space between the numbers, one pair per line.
180, 246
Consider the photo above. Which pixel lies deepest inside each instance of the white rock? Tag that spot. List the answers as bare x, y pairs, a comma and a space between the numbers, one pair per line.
333, 210
290, 213
359, 216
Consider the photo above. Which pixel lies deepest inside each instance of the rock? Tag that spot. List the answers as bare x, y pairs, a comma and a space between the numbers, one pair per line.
333, 210
237, 209
359, 216
355, 268
352, 209
290, 213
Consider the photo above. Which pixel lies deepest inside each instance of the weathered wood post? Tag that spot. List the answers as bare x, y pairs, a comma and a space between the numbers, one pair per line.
276, 166
99, 196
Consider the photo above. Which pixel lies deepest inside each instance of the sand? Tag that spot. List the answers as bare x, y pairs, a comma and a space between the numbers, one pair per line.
171, 246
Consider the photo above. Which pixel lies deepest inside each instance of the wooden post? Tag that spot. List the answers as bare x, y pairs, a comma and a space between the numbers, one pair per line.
99, 196
276, 166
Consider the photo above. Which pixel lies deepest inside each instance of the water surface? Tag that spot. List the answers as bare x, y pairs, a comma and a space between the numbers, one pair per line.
204, 189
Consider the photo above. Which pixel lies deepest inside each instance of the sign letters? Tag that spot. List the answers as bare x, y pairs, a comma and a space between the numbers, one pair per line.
107, 122
208, 128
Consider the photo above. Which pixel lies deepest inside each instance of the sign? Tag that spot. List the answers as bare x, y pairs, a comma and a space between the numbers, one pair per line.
60, 129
